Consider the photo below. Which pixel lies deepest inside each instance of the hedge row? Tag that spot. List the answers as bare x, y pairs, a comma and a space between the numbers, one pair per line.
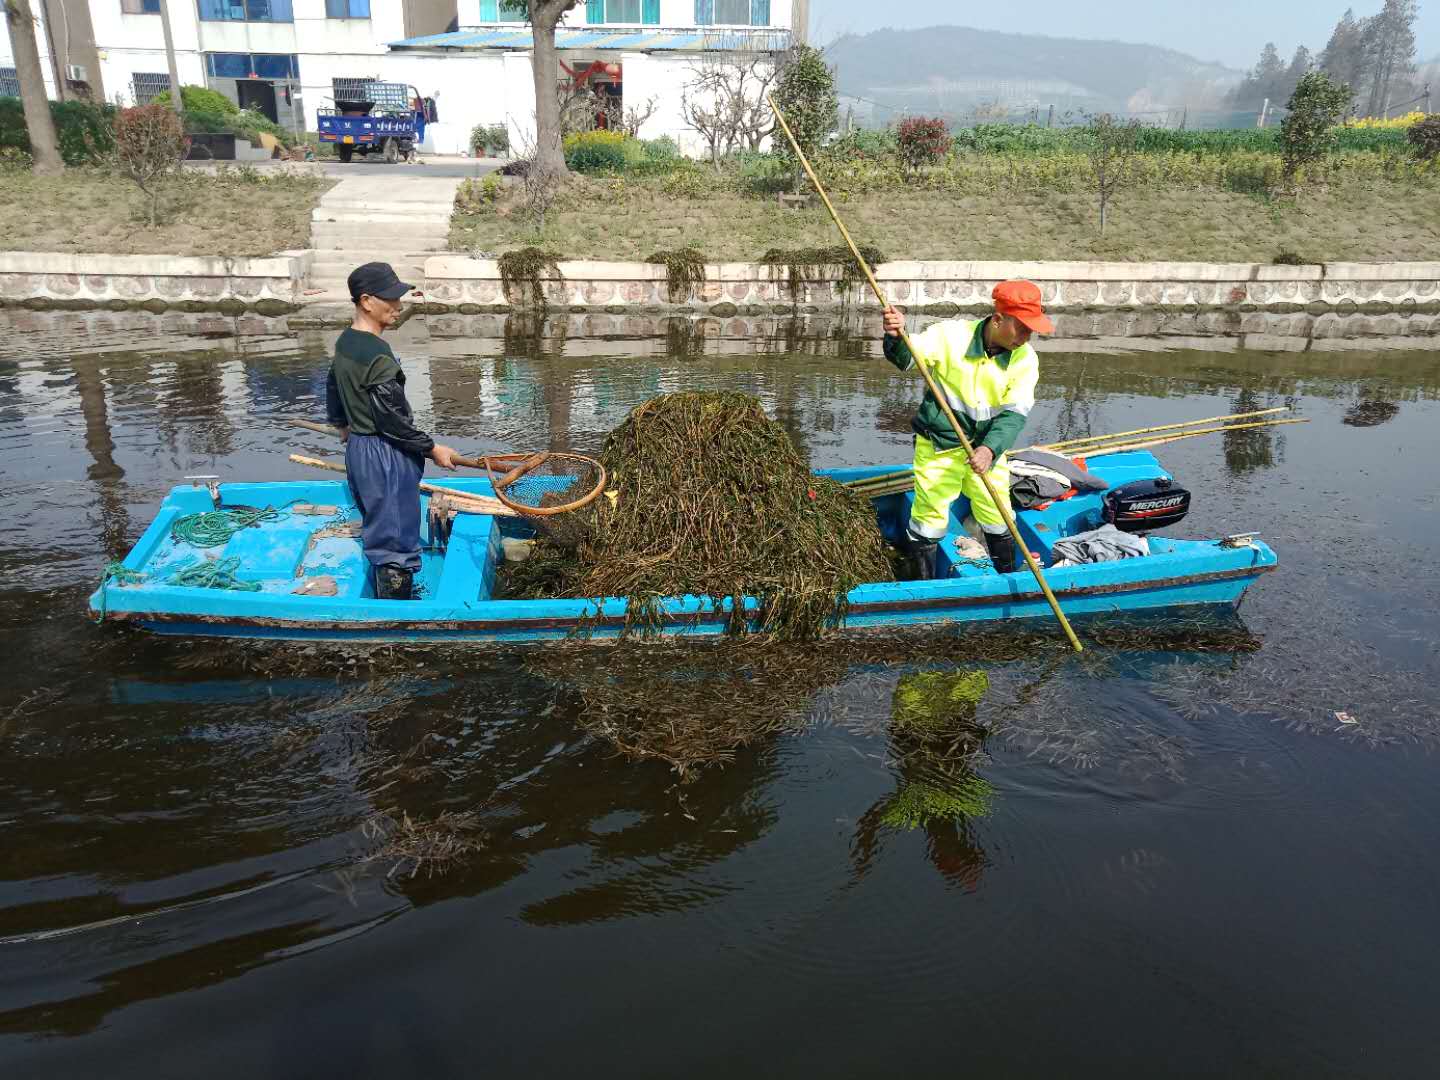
1033, 139
85, 131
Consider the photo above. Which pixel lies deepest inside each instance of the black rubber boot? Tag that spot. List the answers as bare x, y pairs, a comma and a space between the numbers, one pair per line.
1002, 551
394, 583
920, 558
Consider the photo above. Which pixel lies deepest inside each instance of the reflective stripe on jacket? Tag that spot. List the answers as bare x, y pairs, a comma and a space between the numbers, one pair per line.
990, 395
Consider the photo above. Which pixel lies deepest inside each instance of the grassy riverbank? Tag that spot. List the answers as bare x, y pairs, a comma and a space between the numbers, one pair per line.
1223, 199
1385, 220
93, 211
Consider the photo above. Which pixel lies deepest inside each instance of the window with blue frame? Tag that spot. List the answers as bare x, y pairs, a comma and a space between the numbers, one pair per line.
732, 12
140, 7
247, 10
601, 12
244, 65
347, 9
498, 11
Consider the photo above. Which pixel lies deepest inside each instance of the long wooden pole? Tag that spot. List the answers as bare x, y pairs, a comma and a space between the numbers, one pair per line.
471, 504
1003, 505
1068, 443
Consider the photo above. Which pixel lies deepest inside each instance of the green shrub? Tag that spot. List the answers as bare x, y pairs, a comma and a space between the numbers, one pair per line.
198, 98
1309, 132
663, 149
686, 181
805, 94
866, 145
601, 151
206, 121
477, 196
247, 123
85, 131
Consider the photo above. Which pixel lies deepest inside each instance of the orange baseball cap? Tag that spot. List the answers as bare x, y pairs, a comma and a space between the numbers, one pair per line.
1022, 300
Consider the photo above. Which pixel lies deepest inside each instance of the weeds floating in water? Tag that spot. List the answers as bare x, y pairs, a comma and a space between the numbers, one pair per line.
684, 272
410, 845
709, 497
522, 268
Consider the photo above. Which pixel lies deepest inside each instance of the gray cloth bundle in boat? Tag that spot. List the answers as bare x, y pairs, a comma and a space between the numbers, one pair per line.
1039, 476
1105, 544
1078, 478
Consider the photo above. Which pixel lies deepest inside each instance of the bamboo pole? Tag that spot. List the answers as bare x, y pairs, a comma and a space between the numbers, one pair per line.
873, 481
893, 483
1162, 440
1003, 505
1068, 443
470, 504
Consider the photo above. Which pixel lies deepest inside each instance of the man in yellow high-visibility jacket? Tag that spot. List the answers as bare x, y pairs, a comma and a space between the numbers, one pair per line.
988, 372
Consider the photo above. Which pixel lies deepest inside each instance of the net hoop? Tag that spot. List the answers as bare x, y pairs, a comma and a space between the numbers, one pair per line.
518, 466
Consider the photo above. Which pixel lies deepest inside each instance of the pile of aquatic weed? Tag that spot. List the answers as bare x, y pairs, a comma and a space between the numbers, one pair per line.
708, 497
821, 264
684, 272
520, 275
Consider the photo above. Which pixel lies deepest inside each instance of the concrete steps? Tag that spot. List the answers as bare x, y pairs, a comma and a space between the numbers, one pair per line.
400, 220
357, 237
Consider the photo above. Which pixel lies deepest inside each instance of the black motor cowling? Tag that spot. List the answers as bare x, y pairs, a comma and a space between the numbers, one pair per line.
1146, 505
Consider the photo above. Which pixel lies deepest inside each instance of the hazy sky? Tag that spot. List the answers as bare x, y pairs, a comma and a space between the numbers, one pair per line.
1230, 31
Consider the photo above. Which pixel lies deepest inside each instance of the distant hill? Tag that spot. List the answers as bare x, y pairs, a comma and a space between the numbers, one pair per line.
951, 70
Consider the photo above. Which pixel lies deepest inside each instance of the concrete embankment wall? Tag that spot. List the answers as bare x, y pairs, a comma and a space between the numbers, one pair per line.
279, 283
473, 285
274, 283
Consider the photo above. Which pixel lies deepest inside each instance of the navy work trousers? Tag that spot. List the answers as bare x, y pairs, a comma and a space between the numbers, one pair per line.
385, 481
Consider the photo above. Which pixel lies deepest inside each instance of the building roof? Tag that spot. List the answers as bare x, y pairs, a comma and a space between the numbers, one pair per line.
629, 40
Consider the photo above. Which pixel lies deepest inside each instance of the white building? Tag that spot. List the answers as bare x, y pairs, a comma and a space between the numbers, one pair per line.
290, 58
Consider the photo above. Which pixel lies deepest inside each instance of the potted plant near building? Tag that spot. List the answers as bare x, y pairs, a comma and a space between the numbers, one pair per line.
489, 140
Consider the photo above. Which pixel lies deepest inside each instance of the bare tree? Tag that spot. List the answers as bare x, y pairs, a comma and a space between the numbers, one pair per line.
1112, 144
44, 145
540, 188
633, 118
725, 99
544, 16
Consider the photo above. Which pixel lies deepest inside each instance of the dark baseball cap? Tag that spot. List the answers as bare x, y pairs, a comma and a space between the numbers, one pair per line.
376, 279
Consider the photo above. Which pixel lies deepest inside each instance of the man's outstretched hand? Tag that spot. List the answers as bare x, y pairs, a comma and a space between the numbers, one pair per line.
894, 322
443, 456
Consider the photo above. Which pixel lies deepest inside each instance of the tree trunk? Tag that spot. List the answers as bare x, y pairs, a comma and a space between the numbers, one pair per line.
549, 153
177, 100
44, 146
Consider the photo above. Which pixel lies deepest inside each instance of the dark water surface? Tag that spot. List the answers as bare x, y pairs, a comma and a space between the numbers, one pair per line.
1178, 855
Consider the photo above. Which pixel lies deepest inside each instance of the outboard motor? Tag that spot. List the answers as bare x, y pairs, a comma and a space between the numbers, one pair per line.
1146, 505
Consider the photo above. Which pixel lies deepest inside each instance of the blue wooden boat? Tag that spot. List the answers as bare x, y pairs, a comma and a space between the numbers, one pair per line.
457, 585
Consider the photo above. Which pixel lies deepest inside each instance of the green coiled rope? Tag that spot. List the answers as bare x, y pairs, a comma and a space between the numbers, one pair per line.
120, 575
214, 528
213, 574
